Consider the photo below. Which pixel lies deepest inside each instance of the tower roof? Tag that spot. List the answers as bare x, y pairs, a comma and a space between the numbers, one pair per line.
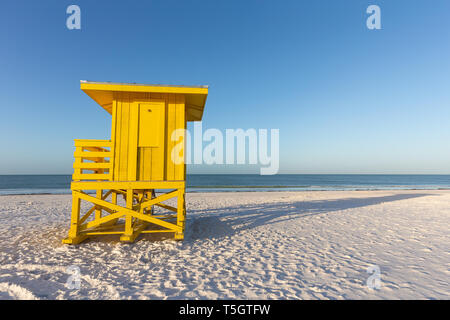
103, 93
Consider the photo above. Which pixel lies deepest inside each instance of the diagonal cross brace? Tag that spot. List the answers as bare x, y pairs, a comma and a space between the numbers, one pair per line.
91, 210
160, 198
123, 211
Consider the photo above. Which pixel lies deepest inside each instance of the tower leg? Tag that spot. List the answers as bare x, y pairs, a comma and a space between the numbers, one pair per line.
113, 201
128, 234
74, 237
181, 214
98, 211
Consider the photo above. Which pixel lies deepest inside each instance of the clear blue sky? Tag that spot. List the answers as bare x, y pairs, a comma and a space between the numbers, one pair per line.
346, 99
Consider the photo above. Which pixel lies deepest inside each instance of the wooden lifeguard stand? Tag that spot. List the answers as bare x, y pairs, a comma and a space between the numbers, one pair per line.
135, 162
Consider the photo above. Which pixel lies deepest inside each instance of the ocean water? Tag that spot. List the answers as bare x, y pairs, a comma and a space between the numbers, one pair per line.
60, 184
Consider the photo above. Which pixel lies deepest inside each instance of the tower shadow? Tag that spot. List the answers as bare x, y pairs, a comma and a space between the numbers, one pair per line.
218, 223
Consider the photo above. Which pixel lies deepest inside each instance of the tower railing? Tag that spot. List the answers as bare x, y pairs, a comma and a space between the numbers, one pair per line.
93, 160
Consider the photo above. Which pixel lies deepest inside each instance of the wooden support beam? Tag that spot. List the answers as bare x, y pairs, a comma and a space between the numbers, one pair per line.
91, 176
124, 185
98, 210
181, 215
92, 143
101, 221
75, 217
122, 211
92, 165
89, 212
163, 197
128, 232
90, 154
166, 206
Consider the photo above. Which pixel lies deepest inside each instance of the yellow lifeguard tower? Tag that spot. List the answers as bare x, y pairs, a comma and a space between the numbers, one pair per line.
139, 158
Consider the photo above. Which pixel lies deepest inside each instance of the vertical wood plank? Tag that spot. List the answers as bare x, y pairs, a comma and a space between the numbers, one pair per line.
133, 141
158, 153
113, 138
118, 137
123, 170
171, 114
148, 164
180, 169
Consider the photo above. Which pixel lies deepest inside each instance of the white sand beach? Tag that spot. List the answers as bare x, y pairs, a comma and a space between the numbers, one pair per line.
252, 245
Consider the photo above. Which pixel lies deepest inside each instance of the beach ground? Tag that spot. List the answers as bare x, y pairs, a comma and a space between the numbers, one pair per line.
247, 245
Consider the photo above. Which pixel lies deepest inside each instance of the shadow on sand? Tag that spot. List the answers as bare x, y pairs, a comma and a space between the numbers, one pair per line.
217, 223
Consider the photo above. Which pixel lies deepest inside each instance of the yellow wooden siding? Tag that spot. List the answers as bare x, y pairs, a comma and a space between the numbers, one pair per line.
143, 163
